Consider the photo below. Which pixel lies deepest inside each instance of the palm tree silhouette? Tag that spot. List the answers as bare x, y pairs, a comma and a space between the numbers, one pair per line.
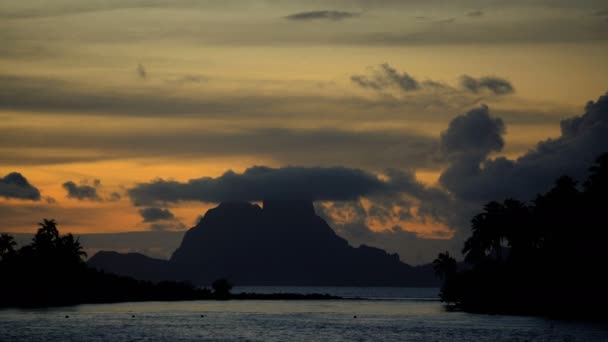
489, 231
47, 235
71, 247
7, 245
597, 182
444, 265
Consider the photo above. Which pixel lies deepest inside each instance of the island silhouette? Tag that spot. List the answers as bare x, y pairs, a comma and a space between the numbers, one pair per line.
51, 271
284, 242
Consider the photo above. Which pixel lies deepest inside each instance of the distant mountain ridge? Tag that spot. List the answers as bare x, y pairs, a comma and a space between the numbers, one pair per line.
283, 243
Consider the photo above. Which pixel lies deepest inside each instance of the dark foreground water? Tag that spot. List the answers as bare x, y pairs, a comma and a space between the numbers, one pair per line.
393, 315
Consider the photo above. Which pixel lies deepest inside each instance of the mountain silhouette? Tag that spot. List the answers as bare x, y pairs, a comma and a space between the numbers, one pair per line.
134, 265
285, 243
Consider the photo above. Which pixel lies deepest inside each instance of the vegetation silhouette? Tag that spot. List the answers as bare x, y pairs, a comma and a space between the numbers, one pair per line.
221, 288
544, 258
51, 271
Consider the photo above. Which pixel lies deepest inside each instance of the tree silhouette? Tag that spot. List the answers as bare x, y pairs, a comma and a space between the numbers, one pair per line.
221, 288
488, 230
7, 245
444, 265
51, 271
597, 183
554, 249
46, 238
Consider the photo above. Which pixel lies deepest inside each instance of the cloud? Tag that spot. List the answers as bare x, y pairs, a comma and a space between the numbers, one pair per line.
82, 191
141, 71
475, 14
318, 147
86, 191
259, 183
474, 133
471, 177
520, 22
446, 21
601, 13
321, 15
496, 85
71, 98
392, 197
154, 214
115, 196
15, 185
160, 219
387, 77
349, 220
187, 79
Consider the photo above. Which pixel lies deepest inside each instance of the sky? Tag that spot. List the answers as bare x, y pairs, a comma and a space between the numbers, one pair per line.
400, 119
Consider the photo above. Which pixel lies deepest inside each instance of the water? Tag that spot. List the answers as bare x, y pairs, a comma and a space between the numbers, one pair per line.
402, 293
394, 314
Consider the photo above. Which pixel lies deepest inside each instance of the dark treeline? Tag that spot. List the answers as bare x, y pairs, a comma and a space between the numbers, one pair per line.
50, 271
547, 257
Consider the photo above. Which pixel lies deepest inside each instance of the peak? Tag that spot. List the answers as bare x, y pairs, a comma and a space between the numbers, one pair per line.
231, 209
289, 207
236, 205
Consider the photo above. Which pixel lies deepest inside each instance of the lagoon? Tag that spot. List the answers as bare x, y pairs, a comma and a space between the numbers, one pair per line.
389, 314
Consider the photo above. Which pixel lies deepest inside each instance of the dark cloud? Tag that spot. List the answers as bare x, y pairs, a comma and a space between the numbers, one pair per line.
367, 82
474, 133
154, 214
86, 191
496, 85
583, 138
160, 219
435, 84
15, 185
392, 198
370, 149
28, 8
115, 196
259, 183
82, 191
387, 77
182, 80
552, 29
55, 96
475, 14
68, 98
141, 71
540, 26
321, 15
446, 21
601, 13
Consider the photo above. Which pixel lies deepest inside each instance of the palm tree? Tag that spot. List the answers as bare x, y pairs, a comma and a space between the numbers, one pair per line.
7, 245
521, 234
488, 232
70, 247
47, 236
444, 266
598, 178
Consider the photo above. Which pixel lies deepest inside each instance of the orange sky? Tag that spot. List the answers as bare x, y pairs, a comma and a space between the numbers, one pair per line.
127, 95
